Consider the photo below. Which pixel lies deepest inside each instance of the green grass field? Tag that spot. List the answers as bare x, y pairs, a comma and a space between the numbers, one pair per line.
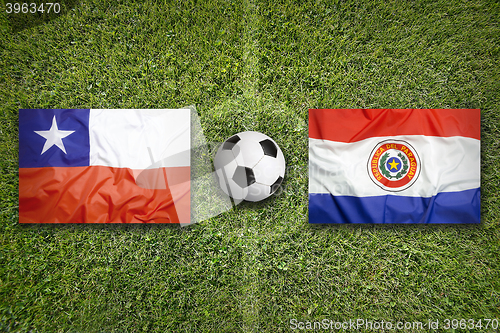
249, 65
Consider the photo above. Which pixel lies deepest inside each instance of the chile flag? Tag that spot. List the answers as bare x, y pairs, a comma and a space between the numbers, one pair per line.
82, 165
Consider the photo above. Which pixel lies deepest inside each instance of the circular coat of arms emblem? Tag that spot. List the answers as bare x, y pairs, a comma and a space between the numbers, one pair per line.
394, 165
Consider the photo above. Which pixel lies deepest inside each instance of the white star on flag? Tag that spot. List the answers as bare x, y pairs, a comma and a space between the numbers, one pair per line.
53, 136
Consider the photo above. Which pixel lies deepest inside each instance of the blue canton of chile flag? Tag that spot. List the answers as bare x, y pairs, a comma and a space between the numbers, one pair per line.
394, 166
72, 148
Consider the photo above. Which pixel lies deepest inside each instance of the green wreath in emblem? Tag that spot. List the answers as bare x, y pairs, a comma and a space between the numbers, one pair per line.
386, 173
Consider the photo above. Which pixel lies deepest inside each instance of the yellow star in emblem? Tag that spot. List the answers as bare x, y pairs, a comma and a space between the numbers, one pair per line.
394, 164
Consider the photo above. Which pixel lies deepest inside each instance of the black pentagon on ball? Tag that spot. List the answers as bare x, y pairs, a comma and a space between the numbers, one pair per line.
229, 144
243, 176
269, 148
276, 184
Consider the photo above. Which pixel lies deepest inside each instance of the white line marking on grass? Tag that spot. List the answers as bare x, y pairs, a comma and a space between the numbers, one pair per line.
249, 302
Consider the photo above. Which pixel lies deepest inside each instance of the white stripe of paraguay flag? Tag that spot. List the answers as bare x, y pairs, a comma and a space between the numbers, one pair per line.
441, 149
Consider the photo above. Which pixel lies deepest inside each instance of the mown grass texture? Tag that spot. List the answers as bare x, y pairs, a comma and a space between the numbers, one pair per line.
250, 65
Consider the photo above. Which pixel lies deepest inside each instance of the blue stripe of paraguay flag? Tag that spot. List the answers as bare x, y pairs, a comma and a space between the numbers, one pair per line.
394, 166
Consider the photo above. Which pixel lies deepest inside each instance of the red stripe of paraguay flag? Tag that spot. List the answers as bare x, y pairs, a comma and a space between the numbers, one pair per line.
87, 166
394, 166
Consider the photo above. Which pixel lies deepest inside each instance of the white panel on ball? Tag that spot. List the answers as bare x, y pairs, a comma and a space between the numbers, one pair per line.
250, 153
281, 163
267, 170
258, 192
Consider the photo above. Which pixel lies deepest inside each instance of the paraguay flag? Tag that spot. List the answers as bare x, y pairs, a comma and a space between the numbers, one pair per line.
394, 166
80, 165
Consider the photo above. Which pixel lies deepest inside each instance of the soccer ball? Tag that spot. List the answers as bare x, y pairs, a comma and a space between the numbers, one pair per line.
250, 166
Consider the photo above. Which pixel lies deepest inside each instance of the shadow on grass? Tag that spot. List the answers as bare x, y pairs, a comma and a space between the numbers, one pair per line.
111, 227
21, 21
